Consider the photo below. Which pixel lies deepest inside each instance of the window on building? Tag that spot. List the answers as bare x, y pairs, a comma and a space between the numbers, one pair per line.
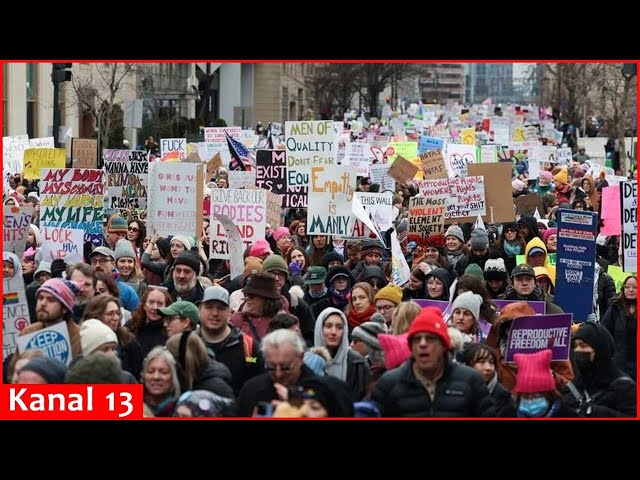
32, 105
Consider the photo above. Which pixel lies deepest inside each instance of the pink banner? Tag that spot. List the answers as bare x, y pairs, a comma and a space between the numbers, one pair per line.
611, 211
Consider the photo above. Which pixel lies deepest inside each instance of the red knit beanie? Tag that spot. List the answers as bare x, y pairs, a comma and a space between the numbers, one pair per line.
429, 320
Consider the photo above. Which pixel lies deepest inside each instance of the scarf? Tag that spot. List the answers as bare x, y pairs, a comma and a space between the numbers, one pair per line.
340, 298
357, 318
512, 249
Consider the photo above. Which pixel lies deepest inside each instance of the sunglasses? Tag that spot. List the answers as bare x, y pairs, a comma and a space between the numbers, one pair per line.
133, 229
511, 230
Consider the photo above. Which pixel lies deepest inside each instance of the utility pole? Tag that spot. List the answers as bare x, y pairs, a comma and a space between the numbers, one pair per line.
59, 74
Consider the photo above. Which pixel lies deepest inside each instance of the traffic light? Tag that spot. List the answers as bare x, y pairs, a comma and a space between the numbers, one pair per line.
61, 73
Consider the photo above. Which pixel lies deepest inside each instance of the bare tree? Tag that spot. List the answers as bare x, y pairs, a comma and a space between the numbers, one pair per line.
333, 86
96, 91
375, 77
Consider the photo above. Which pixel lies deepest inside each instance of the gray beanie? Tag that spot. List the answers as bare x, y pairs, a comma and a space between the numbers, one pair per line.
479, 239
124, 249
469, 300
367, 332
454, 231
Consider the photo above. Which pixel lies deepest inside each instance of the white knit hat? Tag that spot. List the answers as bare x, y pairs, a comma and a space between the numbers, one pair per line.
469, 300
183, 240
94, 334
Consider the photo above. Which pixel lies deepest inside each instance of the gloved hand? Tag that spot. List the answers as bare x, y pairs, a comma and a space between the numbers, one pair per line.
295, 268
57, 267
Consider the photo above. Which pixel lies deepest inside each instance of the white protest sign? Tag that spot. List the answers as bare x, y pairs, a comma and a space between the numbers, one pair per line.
629, 200
360, 213
378, 174
330, 193
53, 341
379, 206
45, 142
62, 242
173, 149
13, 152
15, 311
16, 222
563, 156
457, 157
242, 178
488, 154
399, 268
236, 247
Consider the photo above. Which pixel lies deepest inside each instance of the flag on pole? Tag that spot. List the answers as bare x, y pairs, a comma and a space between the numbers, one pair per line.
241, 158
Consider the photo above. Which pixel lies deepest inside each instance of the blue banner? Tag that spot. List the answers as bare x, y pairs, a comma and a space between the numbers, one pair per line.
430, 143
575, 262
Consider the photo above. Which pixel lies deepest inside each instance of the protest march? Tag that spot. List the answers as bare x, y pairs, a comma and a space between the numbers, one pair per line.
443, 260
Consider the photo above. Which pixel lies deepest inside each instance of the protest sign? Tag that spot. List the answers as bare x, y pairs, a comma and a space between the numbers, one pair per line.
127, 178
16, 222
173, 149
84, 152
175, 198
532, 334
35, 159
330, 194
73, 198
15, 311
402, 170
246, 209
62, 242
53, 341
575, 262
433, 164
629, 208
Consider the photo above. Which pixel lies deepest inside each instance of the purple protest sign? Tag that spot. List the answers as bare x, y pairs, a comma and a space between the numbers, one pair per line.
539, 307
439, 304
539, 332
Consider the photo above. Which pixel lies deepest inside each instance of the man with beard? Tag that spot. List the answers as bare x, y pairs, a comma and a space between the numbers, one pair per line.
103, 259
84, 275
54, 304
184, 284
227, 343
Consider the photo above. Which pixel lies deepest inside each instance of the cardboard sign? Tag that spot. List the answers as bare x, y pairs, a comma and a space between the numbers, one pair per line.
527, 204
274, 210
36, 159
236, 248
535, 333
497, 188
84, 152
402, 170
53, 341
433, 164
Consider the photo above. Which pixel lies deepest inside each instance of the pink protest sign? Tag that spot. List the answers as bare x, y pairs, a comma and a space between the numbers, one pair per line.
611, 211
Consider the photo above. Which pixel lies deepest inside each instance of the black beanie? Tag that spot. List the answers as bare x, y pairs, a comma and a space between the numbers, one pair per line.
190, 259
331, 256
332, 393
598, 336
164, 247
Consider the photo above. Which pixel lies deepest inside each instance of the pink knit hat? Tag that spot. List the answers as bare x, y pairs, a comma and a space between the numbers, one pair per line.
546, 175
64, 290
534, 372
396, 349
259, 248
281, 232
547, 233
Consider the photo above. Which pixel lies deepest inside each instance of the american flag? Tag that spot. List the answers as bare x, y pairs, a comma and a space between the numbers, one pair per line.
241, 157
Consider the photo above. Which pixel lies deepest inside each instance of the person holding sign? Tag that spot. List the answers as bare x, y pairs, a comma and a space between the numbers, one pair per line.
600, 389
498, 339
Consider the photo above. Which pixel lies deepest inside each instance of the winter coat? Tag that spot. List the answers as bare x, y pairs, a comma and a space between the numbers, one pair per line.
624, 332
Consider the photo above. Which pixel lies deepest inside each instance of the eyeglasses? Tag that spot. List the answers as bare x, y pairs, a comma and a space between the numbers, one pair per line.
384, 308
101, 260
511, 230
133, 229
283, 368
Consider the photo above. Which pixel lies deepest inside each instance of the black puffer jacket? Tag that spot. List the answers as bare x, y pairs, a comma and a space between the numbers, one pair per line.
215, 377
461, 392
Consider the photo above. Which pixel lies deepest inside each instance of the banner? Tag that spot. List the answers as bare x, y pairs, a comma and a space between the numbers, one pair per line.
246, 209
575, 262
535, 333
73, 198
16, 222
330, 195
629, 203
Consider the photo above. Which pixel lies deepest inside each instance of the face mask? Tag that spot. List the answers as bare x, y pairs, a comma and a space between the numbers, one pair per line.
316, 294
533, 407
582, 360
